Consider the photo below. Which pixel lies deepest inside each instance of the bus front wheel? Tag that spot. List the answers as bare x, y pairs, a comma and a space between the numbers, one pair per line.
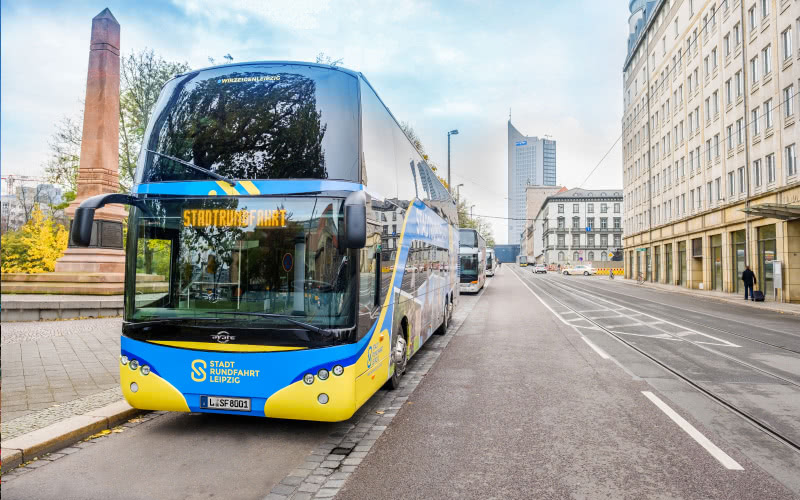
399, 360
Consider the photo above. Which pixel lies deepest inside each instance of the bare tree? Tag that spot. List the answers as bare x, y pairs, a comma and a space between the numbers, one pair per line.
65, 153
325, 59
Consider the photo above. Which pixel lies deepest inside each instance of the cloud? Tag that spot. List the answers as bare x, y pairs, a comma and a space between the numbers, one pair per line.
292, 14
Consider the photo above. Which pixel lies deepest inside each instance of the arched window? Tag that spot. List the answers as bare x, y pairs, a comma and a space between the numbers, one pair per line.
575, 256
561, 256
591, 256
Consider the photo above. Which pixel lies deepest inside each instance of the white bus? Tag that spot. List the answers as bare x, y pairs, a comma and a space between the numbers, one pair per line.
491, 262
472, 260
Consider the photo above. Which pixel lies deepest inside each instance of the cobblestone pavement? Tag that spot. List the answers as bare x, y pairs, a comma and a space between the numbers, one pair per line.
56, 366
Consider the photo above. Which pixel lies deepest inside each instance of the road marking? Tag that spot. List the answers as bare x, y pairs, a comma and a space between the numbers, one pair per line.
703, 441
596, 349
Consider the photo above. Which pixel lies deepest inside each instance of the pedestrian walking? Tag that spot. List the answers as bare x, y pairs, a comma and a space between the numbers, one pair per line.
749, 279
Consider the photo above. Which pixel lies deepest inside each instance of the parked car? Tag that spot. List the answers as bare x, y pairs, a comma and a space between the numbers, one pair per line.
582, 269
540, 268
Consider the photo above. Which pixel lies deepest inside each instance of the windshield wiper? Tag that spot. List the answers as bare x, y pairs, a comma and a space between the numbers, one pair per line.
193, 166
321, 331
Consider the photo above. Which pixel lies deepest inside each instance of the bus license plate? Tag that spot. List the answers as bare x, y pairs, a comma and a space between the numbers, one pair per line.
222, 403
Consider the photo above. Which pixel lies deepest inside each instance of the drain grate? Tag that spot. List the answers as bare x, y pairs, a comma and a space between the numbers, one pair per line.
341, 451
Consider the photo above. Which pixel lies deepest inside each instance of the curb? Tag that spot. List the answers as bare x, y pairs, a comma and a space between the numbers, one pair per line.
629, 281
28, 446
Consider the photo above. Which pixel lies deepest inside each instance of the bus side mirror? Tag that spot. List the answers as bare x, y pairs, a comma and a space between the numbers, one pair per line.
81, 231
355, 220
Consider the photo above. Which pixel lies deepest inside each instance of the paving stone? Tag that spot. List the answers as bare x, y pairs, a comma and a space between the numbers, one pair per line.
283, 489
308, 487
316, 479
334, 483
301, 495
327, 493
292, 480
332, 464
340, 475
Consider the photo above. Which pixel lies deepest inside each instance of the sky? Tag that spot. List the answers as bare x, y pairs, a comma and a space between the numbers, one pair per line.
555, 65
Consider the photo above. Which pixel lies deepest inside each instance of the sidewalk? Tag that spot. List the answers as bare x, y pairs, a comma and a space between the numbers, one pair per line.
781, 307
53, 371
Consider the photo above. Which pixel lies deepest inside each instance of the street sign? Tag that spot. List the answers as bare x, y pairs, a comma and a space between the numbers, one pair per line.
641, 249
610, 254
521, 143
588, 228
288, 262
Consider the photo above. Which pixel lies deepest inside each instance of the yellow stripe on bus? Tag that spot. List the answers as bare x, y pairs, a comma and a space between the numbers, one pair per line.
211, 346
249, 187
228, 188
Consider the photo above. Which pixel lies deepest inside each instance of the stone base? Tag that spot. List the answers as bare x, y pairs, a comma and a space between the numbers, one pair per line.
91, 260
53, 307
61, 283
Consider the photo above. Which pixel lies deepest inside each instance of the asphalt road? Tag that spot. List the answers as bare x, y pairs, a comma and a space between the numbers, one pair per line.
520, 405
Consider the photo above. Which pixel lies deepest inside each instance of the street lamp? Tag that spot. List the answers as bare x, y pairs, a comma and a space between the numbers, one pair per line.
470, 211
452, 132
458, 193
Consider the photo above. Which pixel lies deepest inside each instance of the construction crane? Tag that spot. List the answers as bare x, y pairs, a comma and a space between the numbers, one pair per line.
10, 181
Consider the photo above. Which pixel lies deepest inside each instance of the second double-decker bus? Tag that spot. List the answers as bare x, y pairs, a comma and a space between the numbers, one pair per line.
472, 260
288, 249
491, 262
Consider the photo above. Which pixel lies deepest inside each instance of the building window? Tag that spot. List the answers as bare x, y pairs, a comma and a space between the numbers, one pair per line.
561, 256
561, 242
751, 18
766, 55
754, 120
561, 208
576, 208
590, 222
754, 69
728, 92
716, 145
768, 114
709, 193
737, 34
740, 131
576, 240
616, 208
576, 222
791, 160
603, 208
603, 222
617, 222
561, 223
738, 80
726, 45
617, 240
604, 240
757, 173
741, 180
717, 183
575, 256
731, 184
590, 208
786, 43
770, 168
765, 8
788, 98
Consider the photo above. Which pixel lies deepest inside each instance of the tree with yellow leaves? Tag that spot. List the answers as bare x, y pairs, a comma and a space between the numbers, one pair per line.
35, 247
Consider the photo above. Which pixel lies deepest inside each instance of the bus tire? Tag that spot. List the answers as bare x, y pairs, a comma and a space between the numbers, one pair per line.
399, 356
448, 308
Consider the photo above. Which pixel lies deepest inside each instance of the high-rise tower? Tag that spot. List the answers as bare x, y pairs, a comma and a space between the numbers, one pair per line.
531, 162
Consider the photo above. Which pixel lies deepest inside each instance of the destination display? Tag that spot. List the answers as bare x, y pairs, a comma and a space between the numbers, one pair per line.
234, 218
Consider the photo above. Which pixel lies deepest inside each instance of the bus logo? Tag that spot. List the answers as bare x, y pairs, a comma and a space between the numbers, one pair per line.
198, 370
223, 337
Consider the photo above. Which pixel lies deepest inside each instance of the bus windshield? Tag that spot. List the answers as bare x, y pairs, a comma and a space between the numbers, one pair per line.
203, 259
254, 121
467, 238
469, 267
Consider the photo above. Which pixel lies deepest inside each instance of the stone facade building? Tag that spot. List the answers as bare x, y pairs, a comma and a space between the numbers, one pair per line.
580, 226
710, 143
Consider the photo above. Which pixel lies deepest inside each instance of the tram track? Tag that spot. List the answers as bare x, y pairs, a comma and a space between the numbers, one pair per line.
734, 359
695, 322
683, 319
714, 396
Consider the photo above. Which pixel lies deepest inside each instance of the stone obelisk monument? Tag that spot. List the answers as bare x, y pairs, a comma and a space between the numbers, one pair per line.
99, 163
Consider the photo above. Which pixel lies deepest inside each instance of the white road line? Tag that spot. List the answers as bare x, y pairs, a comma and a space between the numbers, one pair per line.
596, 349
599, 351
703, 441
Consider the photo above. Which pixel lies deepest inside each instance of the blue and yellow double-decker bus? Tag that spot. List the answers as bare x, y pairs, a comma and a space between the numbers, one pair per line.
288, 249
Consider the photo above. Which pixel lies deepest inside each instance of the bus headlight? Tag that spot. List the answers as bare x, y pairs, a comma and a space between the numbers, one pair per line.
145, 370
124, 360
323, 374
134, 387
322, 398
338, 370
134, 364
308, 378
